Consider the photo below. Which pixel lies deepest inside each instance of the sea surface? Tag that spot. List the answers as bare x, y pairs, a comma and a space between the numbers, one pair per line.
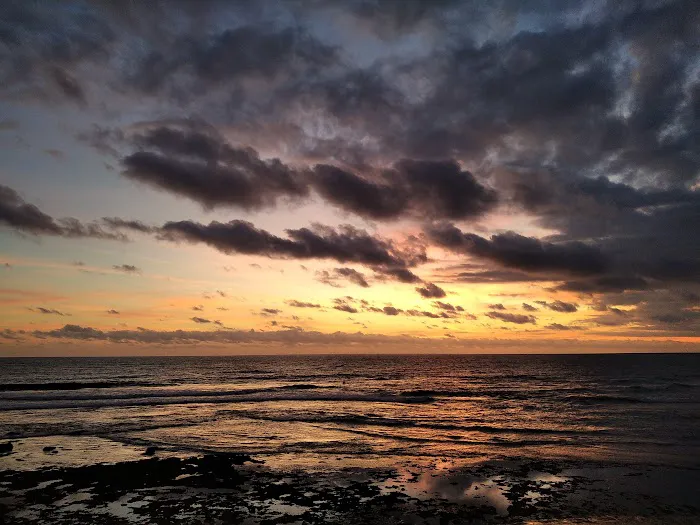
309, 410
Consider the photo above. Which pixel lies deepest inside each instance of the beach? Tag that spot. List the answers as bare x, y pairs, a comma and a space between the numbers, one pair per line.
339, 439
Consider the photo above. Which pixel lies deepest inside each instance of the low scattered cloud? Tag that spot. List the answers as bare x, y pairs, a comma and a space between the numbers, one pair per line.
126, 268
431, 291
22, 217
48, 311
301, 304
512, 318
337, 275
523, 253
559, 306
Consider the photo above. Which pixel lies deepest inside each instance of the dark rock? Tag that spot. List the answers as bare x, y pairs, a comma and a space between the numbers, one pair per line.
150, 451
5, 448
49, 449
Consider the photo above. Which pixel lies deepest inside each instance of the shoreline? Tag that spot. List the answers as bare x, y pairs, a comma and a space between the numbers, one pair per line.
66, 485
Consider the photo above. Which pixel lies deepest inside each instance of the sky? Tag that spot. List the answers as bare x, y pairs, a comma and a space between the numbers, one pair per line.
300, 176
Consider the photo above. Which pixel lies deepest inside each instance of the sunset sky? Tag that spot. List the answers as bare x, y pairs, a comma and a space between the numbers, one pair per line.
291, 176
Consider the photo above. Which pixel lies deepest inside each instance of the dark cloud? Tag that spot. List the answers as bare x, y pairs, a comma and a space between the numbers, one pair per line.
425, 189
68, 85
524, 253
243, 53
343, 305
300, 304
403, 275
498, 306
198, 308
583, 119
331, 278
48, 311
126, 268
270, 311
55, 153
431, 291
113, 312
194, 161
557, 326
559, 306
145, 336
9, 125
200, 320
447, 306
346, 244
137, 226
423, 313
20, 216
512, 318
390, 310
529, 308
497, 276
605, 285
678, 317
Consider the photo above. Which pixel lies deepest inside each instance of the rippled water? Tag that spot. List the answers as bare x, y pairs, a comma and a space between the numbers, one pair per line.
629, 408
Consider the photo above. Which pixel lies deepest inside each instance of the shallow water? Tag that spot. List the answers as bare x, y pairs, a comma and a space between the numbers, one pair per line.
627, 408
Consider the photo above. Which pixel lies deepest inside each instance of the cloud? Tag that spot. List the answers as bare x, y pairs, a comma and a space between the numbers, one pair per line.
529, 308
524, 253
199, 164
191, 159
137, 226
126, 268
22, 217
345, 244
431, 291
425, 189
113, 312
498, 306
270, 311
557, 326
206, 60
559, 306
343, 305
609, 284
447, 306
512, 318
9, 125
403, 275
198, 308
461, 124
228, 336
48, 311
390, 310
300, 304
331, 278
200, 320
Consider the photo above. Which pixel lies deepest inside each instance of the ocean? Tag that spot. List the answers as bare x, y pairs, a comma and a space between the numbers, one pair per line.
311, 411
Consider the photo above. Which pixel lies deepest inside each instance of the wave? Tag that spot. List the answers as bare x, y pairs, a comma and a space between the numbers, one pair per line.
605, 398
153, 393
477, 392
416, 439
359, 419
181, 398
73, 385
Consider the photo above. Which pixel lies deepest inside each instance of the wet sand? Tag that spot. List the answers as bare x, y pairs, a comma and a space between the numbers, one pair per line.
69, 484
